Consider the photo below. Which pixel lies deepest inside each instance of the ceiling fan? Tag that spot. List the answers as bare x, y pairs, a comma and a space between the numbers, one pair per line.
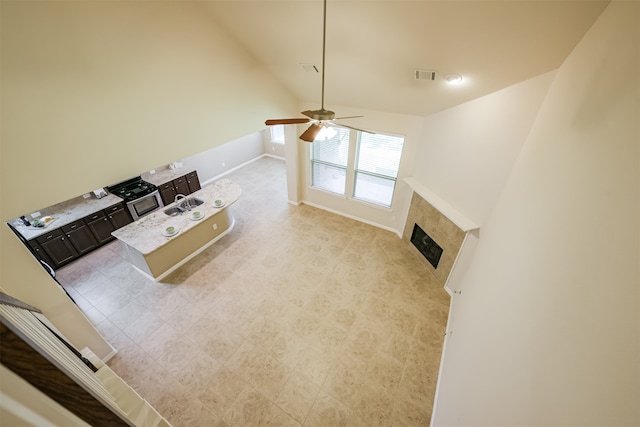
319, 118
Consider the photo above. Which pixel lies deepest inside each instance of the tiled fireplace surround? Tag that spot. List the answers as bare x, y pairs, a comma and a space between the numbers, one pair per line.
441, 229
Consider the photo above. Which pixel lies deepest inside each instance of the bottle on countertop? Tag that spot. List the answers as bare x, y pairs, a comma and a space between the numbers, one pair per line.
25, 221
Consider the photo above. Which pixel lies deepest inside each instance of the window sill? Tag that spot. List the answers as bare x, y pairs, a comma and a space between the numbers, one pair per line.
388, 209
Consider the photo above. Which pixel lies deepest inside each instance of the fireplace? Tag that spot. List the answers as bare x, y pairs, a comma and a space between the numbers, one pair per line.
426, 245
431, 219
433, 237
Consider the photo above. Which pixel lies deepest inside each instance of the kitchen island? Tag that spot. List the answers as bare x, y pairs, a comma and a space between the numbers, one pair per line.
157, 253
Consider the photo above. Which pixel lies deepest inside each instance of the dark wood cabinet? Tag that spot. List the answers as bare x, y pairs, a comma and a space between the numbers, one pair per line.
181, 186
186, 185
80, 236
193, 182
119, 215
39, 253
62, 245
100, 226
104, 222
57, 247
168, 195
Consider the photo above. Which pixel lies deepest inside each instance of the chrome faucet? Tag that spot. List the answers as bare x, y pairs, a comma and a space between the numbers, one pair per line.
186, 206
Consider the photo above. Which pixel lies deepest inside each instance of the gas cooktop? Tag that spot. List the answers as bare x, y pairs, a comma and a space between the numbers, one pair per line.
132, 189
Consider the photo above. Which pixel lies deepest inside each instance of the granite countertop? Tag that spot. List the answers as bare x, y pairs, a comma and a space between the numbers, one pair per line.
165, 175
66, 213
147, 234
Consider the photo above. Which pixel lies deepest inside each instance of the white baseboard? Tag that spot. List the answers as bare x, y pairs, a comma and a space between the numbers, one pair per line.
384, 227
233, 169
273, 156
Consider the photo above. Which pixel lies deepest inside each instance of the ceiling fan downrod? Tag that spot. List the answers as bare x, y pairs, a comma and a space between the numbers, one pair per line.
324, 42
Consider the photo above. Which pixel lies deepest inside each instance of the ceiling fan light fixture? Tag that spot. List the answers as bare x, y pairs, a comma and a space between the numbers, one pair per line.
326, 132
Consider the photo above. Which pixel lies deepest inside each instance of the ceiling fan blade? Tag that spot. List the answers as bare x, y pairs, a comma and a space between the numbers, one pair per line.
310, 134
340, 125
271, 122
348, 117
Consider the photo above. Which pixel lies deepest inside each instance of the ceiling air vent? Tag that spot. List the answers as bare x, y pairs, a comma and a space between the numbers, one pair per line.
424, 75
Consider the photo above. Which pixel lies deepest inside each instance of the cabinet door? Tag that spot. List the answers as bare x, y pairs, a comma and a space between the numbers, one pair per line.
168, 195
119, 217
39, 253
181, 186
80, 236
193, 182
57, 247
101, 227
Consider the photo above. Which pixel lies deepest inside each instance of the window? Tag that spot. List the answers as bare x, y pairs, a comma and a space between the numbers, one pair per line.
277, 134
361, 165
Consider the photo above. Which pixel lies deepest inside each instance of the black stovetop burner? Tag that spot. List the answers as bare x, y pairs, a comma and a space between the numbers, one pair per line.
132, 189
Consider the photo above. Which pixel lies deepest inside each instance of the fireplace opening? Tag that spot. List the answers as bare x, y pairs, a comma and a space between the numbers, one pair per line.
426, 245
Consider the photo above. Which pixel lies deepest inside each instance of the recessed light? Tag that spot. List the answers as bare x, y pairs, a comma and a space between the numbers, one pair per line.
453, 79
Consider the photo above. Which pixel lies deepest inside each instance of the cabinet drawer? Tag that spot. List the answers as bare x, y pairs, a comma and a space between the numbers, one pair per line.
166, 186
94, 216
114, 208
49, 236
73, 226
179, 181
192, 175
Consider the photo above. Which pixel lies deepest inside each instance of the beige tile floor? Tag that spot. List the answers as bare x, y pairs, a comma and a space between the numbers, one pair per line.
296, 317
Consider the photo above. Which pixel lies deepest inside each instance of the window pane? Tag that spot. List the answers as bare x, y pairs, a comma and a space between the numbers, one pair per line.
277, 133
329, 162
374, 189
376, 168
334, 150
379, 154
329, 178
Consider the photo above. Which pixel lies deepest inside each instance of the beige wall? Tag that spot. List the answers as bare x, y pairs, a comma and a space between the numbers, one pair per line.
546, 329
467, 152
96, 92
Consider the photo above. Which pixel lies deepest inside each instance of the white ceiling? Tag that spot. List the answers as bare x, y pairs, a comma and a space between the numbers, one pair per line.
373, 46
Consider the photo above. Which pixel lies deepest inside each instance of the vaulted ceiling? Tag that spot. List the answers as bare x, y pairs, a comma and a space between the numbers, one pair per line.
374, 46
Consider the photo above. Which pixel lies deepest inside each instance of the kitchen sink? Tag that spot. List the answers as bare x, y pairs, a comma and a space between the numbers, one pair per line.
183, 207
173, 211
193, 202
